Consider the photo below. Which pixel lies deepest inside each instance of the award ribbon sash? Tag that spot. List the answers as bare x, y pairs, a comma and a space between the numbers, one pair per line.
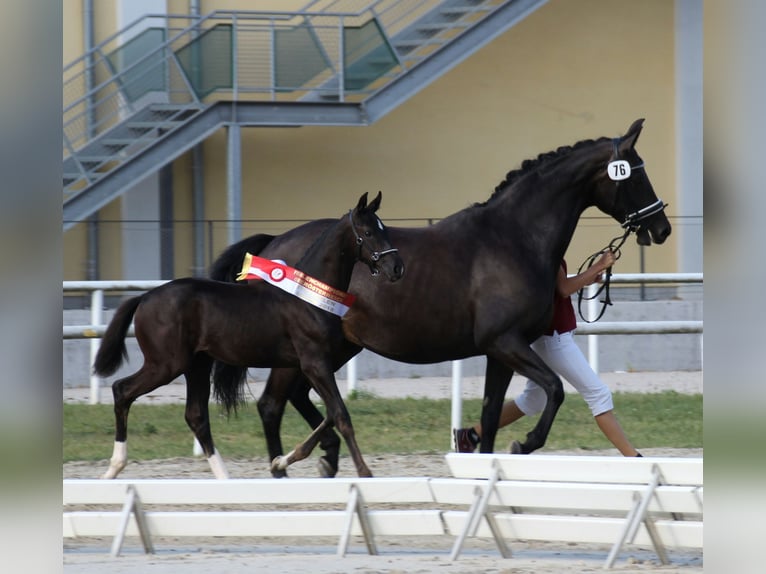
296, 283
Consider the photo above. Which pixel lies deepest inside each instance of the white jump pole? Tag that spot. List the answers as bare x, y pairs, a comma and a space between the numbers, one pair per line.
351, 374
457, 399
96, 318
592, 339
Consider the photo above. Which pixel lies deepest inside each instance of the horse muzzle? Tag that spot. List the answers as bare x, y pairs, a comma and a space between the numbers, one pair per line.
657, 233
391, 264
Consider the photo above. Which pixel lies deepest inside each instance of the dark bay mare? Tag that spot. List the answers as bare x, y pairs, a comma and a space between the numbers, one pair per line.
186, 324
479, 282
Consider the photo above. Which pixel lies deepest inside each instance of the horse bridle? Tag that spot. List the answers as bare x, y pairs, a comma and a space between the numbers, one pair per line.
374, 255
632, 223
633, 220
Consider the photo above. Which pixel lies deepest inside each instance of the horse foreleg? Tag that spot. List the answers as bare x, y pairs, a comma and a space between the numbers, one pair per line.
321, 376
197, 413
328, 441
301, 451
497, 376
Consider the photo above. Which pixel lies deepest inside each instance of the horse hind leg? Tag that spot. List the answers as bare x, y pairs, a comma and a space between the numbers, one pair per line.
534, 368
197, 413
125, 392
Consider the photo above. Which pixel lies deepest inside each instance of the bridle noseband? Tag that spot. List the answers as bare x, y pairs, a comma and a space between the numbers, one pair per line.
374, 255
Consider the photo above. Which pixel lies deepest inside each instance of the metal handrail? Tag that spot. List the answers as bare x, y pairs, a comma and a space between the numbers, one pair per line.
380, 9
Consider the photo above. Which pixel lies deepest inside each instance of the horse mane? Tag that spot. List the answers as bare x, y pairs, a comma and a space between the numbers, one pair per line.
315, 244
530, 165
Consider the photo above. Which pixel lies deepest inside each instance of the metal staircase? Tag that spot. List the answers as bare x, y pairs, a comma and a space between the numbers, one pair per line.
132, 106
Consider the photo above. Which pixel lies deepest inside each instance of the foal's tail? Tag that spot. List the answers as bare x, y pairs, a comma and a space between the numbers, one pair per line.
112, 351
229, 380
229, 385
229, 263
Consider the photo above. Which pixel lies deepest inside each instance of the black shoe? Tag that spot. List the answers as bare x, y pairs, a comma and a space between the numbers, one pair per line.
465, 440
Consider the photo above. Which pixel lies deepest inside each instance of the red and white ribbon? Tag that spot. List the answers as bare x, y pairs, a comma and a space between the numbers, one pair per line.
296, 283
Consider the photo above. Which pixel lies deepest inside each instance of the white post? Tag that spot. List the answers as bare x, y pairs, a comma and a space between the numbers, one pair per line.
197, 449
96, 318
351, 374
592, 339
457, 399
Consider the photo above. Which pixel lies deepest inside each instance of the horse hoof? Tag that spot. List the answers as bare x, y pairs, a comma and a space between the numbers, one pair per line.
279, 464
276, 473
326, 470
516, 448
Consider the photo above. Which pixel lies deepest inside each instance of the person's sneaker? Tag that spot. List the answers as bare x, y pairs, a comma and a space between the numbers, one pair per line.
466, 440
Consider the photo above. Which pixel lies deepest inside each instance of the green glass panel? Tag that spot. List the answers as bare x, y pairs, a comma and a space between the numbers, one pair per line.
368, 55
150, 75
298, 57
207, 60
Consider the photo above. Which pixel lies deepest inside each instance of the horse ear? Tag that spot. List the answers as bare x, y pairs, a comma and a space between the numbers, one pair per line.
375, 203
628, 141
362, 202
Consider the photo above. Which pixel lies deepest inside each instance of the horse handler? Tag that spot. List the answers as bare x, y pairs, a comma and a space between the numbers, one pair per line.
559, 351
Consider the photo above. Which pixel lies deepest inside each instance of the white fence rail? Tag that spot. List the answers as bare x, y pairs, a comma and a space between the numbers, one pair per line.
97, 327
654, 501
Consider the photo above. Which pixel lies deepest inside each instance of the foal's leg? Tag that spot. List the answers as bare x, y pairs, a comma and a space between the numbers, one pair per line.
284, 383
197, 414
328, 441
322, 377
126, 391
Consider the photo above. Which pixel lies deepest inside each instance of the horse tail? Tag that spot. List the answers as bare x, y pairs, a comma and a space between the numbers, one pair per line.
229, 263
229, 385
229, 380
112, 351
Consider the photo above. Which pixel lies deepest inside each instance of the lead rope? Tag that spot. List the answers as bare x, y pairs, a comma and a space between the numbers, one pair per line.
614, 246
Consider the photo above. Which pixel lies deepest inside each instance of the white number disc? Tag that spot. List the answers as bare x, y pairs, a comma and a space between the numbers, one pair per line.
618, 170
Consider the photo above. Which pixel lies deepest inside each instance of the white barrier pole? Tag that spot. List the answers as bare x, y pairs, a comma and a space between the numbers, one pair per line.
96, 318
457, 399
351, 374
592, 339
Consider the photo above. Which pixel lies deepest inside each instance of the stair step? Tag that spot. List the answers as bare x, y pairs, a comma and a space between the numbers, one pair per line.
174, 107
435, 28
409, 45
460, 11
120, 142
94, 159
147, 126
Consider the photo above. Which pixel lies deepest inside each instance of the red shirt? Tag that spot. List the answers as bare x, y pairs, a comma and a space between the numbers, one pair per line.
564, 319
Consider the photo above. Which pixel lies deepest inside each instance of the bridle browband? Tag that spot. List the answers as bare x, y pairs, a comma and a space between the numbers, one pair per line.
374, 255
632, 223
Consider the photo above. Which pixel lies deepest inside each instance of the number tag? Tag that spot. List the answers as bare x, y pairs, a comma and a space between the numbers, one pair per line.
618, 170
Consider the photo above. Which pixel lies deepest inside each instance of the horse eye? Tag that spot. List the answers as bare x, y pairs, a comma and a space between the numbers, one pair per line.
368, 233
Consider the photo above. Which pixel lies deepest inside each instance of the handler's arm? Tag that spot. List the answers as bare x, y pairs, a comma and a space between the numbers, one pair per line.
568, 285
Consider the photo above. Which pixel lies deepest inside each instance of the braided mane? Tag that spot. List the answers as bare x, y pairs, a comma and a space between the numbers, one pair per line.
529, 165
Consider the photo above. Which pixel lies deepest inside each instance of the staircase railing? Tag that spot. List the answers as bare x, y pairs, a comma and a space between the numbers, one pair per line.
139, 85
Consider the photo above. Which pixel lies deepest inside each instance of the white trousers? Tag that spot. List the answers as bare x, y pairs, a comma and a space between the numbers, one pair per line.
561, 353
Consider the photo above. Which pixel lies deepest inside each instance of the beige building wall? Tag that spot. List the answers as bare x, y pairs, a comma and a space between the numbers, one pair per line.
570, 71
